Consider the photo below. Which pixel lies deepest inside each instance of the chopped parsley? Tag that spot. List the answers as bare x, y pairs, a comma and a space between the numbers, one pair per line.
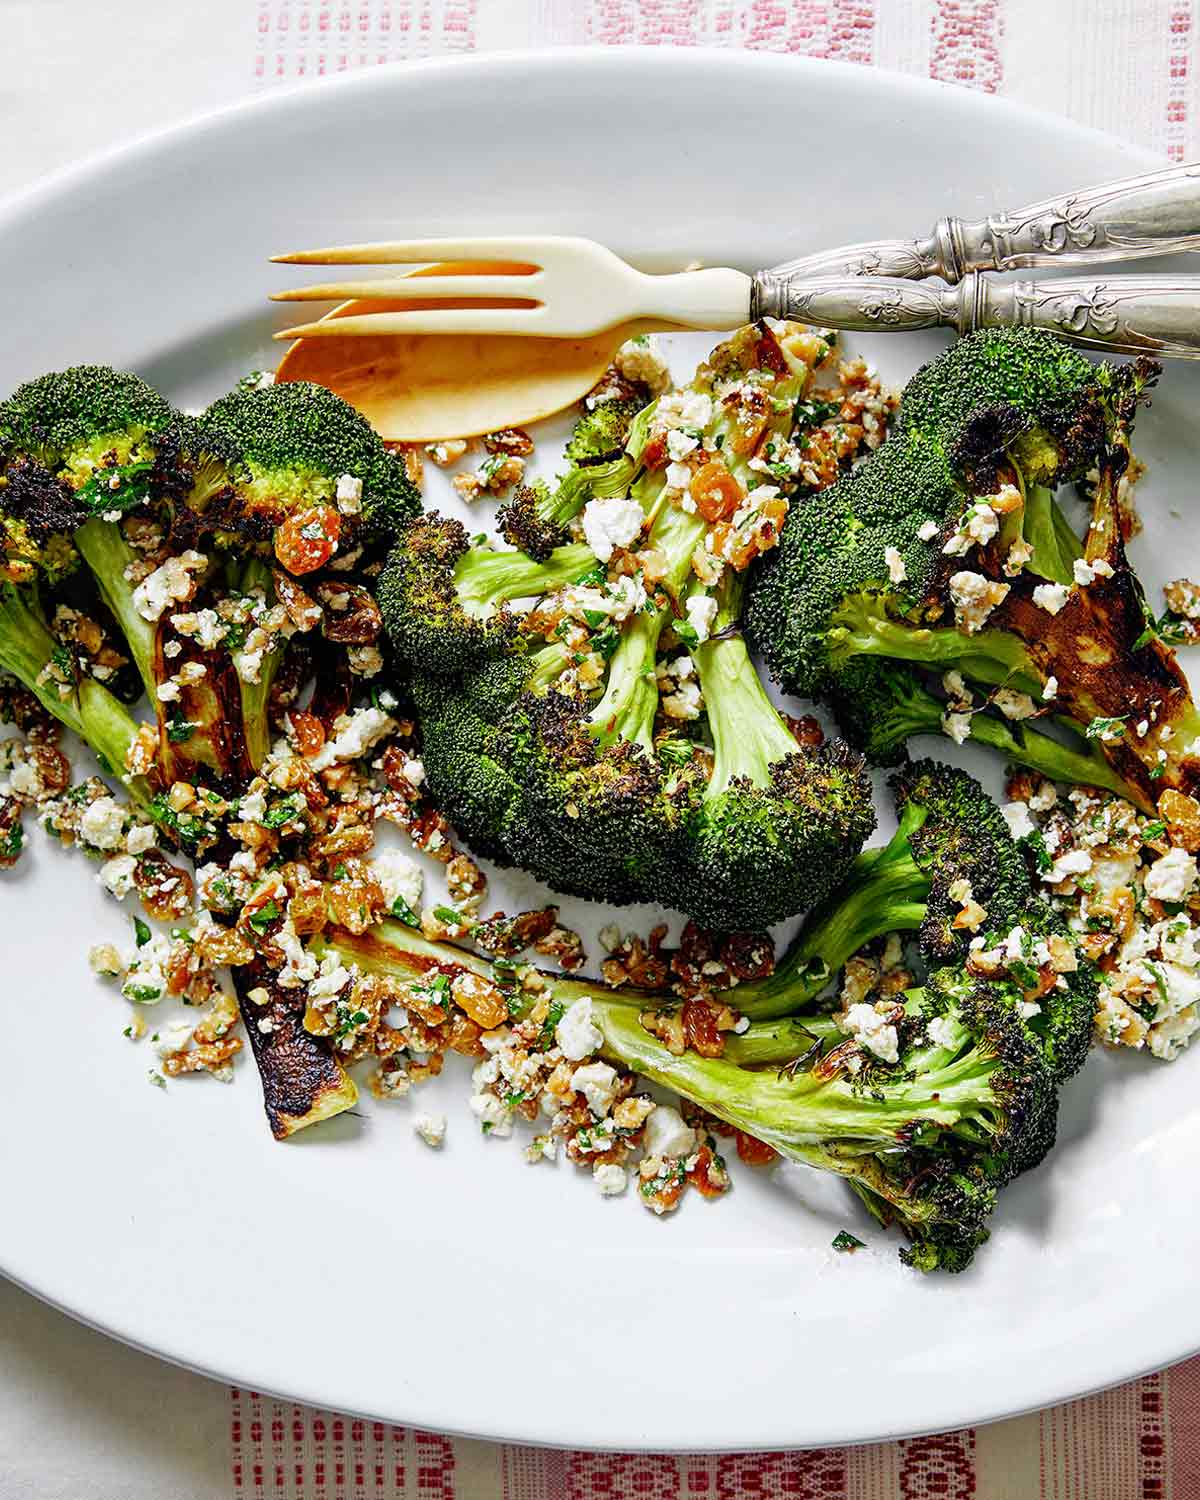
847, 1243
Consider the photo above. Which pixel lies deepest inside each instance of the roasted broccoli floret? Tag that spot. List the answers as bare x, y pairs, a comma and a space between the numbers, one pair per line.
315, 479
952, 846
731, 820
766, 801
535, 519
947, 548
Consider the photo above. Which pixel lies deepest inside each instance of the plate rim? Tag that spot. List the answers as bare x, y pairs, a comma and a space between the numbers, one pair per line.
381, 79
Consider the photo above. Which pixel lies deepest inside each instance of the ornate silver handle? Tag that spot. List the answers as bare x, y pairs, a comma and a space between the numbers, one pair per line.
1120, 314
1155, 213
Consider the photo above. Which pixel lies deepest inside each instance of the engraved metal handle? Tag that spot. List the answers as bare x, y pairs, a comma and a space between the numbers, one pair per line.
1119, 314
1154, 213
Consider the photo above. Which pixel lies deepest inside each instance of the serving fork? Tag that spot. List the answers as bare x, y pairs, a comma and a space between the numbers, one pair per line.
554, 286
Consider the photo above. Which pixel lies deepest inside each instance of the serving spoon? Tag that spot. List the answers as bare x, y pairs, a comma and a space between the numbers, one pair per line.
419, 387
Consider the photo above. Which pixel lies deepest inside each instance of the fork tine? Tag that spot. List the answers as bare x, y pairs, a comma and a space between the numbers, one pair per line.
416, 252
414, 288
519, 319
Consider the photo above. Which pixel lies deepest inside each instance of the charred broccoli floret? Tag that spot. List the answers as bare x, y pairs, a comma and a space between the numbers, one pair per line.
947, 548
651, 765
314, 479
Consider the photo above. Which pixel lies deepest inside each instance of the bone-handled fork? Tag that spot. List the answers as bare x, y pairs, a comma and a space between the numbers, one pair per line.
562, 287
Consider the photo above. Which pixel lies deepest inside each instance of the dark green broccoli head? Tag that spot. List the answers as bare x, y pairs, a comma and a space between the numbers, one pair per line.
96, 429
880, 705
466, 747
426, 621
196, 471
91, 417
599, 817
298, 443
756, 854
1000, 405
527, 521
957, 833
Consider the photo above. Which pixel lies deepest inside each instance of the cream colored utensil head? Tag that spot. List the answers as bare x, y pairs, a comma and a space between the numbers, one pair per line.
549, 286
419, 387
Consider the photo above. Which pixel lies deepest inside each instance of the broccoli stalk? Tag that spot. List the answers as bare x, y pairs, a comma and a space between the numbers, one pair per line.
30, 653
483, 581
630, 699
881, 706
256, 696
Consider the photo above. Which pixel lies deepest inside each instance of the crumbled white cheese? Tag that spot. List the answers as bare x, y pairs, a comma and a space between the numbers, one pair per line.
608, 524
638, 360
399, 877
957, 726
1050, 690
1014, 705
1016, 815
927, 530
102, 824
354, 735
431, 1129
577, 1034
873, 1030
1082, 572
1171, 877
173, 1037
596, 1081
610, 1178
942, 1032
1074, 862
116, 874
331, 979
172, 583
253, 807
348, 495
680, 444
684, 703
667, 1134
974, 598
494, 1117
701, 613
1051, 596
140, 838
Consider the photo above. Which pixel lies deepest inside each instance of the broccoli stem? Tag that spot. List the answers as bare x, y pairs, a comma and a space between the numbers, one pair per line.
748, 734
994, 657
630, 699
885, 892
780, 1041
108, 554
90, 711
255, 696
798, 1112
1028, 747
485, 579
1050, 534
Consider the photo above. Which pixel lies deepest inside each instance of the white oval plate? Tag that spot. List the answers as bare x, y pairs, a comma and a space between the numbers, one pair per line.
354, 1268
